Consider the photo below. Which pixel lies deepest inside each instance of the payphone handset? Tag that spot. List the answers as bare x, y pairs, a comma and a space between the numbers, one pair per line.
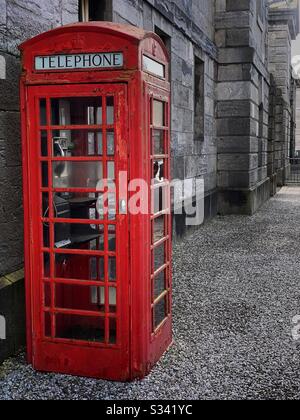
158, 171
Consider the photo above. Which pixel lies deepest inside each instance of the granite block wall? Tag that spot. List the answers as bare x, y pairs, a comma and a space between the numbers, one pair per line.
189, 28
280, 37
242, 106
297, 134
19, 20
12, 314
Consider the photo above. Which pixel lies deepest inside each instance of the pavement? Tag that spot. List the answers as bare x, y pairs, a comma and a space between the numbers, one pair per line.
236, 295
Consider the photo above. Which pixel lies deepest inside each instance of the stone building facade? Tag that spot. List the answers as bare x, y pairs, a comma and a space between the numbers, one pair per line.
283, 28
297, 135
232, 90
242, 107
19, 20
187, 27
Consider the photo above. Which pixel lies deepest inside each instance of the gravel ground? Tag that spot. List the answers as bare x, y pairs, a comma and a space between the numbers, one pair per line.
236, 291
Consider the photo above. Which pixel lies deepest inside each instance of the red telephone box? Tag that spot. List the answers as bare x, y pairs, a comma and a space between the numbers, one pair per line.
95, 101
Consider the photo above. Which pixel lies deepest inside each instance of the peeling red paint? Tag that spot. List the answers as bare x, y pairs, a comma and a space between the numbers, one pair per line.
140, 342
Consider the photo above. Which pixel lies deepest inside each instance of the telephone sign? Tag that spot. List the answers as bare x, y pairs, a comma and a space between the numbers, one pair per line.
79, 61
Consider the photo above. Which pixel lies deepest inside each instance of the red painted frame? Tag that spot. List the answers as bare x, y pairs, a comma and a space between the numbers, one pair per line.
141, 345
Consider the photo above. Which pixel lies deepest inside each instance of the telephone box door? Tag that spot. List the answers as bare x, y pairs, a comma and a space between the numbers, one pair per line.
79, 289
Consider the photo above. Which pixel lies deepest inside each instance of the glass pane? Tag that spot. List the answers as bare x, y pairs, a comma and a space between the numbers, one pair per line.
158, 229
69, 296
44, 144
47, 295
45, 177
159, 199
77, 143
112, 209
97, 269
79, 236
159, 284
47, 325
98, 244
158, 142
158, 113
99, 142
92, 149
77, 174
46, 235
79, 267
110, 110
110, 143
76, 206
112, 299
94, 294
46, 270
43, 112
106, 205
160, 311
159, 257
112, 269
102, 269
61, 207
45, 205
102, 206
111, 171
93, 267
112, 238
95, 114
112, 331
76, 111
98, 297
74, 327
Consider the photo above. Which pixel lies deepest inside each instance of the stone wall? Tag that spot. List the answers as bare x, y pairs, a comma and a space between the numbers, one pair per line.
189, 28
293, 125
242, 110
297, 146
281, 32
19, 20
12, 314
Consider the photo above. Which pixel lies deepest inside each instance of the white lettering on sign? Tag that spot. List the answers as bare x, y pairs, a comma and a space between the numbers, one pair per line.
79, 61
